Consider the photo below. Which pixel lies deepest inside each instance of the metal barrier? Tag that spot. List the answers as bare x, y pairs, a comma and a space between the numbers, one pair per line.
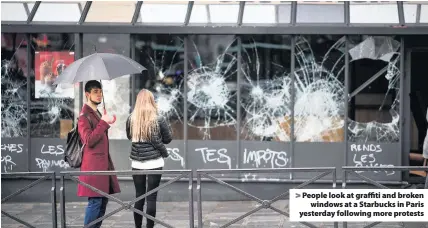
353, 170
43, 176
182, 173
264, 203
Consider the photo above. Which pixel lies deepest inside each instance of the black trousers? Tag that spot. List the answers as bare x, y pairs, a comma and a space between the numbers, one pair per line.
153, 181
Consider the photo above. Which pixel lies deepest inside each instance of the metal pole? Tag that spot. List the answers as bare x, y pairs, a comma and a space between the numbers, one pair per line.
199, 192
293, 79
29, 69
132, 78
186, 69
346, 101
191, 209
62, 202
238, 106
53, 200
403, 121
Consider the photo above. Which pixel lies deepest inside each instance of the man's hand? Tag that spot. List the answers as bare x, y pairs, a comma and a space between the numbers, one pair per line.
107, 118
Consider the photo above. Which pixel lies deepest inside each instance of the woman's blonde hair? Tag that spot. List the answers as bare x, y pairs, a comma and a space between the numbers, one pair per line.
144, 117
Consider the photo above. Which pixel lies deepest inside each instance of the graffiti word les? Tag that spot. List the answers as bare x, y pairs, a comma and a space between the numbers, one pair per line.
275, 159
47, 164
16, 148
368, 159
7, 163
175, 156
213, 155
366, 147
53, 150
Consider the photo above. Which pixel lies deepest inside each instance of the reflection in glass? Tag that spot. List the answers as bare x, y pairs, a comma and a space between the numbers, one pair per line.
374, 91
163, 56
325, 12
13, 86
319, 89
52, 107
211, 84
117, 92
265, 88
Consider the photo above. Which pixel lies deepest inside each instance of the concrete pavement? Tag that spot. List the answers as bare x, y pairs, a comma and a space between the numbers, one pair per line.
176, 214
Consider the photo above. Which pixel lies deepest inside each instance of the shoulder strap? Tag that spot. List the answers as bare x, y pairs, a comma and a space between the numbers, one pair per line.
89, 119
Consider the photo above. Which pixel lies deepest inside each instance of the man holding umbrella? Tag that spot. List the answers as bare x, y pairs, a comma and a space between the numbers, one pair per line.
96, 156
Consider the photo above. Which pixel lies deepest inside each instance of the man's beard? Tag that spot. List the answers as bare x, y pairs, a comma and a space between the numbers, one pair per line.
94, 102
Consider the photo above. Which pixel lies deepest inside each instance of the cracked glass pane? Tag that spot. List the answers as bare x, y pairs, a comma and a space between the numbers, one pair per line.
13, 85
52, 107
374, 89
319, 89
211, 87
163, 56
117, 92
265, 88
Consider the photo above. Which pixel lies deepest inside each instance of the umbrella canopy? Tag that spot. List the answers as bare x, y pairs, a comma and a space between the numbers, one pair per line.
99, 66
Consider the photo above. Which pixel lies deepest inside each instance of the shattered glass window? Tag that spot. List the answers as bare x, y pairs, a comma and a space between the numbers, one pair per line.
163, 56
52, 106
211, 87
319, 88
117, 92
374, 89
266, 88
13, 85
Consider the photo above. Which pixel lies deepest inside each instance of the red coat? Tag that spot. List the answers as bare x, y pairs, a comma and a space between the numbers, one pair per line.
96, 156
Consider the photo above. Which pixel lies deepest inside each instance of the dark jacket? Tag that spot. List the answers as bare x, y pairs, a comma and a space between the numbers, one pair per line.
141, 151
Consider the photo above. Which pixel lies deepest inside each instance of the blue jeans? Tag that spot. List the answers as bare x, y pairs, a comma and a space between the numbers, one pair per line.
96, 208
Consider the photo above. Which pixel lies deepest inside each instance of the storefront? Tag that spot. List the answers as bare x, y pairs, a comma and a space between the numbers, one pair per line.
244, 85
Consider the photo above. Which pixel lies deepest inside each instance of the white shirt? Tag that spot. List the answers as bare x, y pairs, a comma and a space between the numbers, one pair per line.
148, 164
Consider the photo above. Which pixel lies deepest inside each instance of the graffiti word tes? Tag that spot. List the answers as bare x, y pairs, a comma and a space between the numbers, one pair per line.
7, 163
47, 164
213, 155
175, 156
366, 147
275, 159
16, 148
368, 159
53, 150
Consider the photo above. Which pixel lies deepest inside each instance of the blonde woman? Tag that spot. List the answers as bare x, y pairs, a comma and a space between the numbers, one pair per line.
148, 132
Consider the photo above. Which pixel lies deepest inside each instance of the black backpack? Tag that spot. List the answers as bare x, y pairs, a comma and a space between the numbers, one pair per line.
73, 153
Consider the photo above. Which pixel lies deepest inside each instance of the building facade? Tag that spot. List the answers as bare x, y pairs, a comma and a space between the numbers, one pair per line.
244, 84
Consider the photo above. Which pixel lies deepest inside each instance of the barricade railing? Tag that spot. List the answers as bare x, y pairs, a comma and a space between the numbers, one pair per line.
355, 171
264, 204
42, 176
181, 174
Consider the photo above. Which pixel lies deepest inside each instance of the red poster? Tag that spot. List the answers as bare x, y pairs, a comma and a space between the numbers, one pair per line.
48, 66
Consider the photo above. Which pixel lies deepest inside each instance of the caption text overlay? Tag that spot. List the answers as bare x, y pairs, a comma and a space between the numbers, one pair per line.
358, 205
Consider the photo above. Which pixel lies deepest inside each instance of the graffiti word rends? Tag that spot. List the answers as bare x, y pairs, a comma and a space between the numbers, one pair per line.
367, 156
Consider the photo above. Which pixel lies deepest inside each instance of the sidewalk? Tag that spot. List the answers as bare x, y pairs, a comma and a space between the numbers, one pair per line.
215, 214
